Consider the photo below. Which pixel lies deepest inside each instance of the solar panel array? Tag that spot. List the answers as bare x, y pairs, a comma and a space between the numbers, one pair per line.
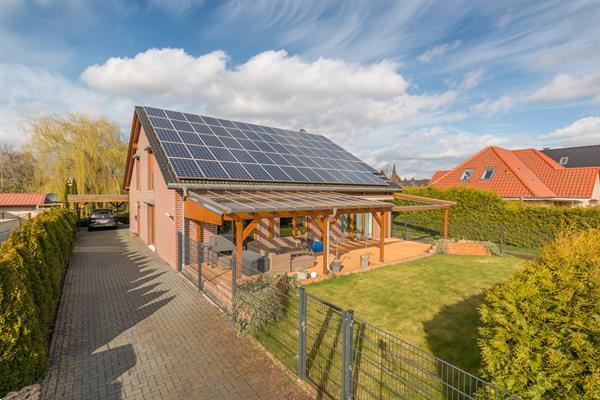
200, 147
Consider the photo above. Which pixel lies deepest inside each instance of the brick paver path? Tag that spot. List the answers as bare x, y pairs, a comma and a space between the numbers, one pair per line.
130, 327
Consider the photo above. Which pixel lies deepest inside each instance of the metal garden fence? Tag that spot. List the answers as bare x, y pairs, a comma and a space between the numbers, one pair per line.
340, 355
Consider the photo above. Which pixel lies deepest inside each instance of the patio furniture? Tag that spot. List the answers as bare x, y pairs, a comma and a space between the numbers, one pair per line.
254, 263
303, 261
220, 244
279, 262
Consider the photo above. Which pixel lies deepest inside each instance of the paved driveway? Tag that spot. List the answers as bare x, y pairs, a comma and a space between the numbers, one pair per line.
130, 327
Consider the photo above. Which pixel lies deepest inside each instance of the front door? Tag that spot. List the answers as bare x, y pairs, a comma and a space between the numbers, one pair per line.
150, 224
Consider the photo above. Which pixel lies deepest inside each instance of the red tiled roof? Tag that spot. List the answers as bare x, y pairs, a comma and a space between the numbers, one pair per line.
22, 199
521, 173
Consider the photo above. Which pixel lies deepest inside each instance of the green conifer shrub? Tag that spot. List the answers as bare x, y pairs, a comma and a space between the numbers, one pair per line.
540, 334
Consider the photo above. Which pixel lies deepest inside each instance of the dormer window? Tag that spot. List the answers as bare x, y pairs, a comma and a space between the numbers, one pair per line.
466, 174
488, 173
563, 160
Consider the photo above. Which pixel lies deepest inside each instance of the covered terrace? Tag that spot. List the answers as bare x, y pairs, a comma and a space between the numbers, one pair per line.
247, 209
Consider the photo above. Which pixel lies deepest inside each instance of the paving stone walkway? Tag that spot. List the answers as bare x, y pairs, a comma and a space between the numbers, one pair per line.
130, 327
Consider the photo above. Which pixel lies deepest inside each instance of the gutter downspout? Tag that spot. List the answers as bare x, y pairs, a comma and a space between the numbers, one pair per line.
329, 219
183, 235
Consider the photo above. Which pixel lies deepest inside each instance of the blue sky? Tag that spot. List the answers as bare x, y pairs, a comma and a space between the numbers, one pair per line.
419, 83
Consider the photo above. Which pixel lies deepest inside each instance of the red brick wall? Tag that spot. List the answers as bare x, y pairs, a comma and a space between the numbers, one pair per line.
167, 204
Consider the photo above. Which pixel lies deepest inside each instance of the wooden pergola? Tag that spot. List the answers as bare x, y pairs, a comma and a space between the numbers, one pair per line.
429, 204
320, 208
116, 200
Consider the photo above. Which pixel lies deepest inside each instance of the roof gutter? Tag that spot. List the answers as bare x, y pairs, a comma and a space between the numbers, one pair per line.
221, 186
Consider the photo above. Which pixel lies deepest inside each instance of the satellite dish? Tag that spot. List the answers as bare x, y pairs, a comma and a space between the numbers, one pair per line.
51, 198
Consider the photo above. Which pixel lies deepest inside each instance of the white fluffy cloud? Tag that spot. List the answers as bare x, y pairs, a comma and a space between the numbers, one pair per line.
437, 51
341, 98
31, 92
582, 132
567, 87
489, 107
415, 158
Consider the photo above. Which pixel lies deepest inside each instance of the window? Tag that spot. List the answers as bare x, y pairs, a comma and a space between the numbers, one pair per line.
137, 173
150, 171
563, 160
466, 174
488, 173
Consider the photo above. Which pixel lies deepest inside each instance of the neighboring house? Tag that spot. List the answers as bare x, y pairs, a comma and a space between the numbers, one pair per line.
201, 176
21, 202
527, 175
16, 208
396, 180
575, 157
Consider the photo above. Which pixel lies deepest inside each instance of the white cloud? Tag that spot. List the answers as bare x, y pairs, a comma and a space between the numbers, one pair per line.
567, 87
437, 51
326, 95
470, 80
503, 21
176, 7
582, 132
32, 92
490, 108
420, 153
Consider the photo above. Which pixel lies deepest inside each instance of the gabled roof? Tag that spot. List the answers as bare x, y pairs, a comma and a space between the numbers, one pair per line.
193, 149
575, 157
22, 199
521, 173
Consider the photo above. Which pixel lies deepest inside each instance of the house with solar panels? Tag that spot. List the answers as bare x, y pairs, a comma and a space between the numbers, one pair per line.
268, 198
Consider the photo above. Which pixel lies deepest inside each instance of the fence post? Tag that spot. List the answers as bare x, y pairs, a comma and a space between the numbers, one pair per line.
302, 334
233, 280
347, 336
179, 252
200, 260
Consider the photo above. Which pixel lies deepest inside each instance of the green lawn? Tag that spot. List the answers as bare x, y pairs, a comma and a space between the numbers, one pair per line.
431, 302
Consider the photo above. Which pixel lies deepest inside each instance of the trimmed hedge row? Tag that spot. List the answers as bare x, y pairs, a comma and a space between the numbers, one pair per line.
483, 215
32, 261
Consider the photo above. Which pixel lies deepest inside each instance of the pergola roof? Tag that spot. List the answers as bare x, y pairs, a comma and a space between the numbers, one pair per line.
234, 202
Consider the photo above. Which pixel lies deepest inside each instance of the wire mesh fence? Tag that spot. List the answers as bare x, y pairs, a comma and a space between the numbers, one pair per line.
343, 357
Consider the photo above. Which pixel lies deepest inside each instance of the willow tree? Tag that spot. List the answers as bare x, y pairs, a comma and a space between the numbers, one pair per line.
89, 151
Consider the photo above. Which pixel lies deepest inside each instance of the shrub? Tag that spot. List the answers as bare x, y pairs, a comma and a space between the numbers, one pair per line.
261, 301
484, 216
32, 263
540, 336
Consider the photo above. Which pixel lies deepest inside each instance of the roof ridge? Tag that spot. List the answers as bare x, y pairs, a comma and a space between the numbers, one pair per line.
518, 173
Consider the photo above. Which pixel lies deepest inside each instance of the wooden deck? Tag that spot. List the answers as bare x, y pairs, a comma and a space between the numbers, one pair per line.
216, 281
349, 252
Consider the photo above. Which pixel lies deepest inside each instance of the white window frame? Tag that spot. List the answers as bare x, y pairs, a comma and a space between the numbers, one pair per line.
493, 171
565, 162
466, 175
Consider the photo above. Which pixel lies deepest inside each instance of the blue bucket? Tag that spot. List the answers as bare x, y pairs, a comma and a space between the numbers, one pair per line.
317, 246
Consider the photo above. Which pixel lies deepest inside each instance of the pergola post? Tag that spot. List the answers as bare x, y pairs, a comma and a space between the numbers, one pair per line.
380, 217
239, 240
352, 224
446, 223
382, 234
271, 228
294, 227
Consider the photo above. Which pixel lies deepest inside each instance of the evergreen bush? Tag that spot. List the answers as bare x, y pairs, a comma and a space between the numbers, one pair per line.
484, 216
540, 334
32, 262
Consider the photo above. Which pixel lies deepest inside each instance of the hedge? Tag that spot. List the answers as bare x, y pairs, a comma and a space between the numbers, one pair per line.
32, 262
540, 334
483, 215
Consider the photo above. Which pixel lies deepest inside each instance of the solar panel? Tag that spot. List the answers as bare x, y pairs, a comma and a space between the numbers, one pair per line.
203, 147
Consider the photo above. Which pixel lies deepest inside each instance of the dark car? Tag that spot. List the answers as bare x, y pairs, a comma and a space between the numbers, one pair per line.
102, 218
